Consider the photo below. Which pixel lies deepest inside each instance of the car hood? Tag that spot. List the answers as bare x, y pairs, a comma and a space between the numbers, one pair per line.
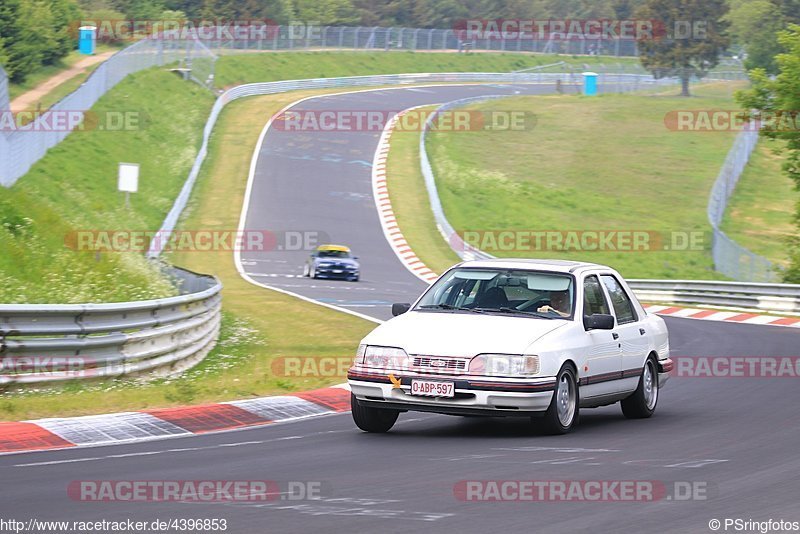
461, 333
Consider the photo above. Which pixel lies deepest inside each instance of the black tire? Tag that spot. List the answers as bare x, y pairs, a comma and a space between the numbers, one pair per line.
372, 419
642, 404
562, 414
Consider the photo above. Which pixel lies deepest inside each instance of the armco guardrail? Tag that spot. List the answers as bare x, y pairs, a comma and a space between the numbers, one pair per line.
47, 343
620, 81
781, 298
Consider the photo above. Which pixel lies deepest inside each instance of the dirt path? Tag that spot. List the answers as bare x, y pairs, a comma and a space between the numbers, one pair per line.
30, 99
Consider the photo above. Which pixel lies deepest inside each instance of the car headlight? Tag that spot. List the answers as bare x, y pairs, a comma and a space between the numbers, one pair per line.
385, 357
505, 365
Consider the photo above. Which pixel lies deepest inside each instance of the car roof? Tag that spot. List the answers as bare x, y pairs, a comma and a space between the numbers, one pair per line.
561, 266
337, 248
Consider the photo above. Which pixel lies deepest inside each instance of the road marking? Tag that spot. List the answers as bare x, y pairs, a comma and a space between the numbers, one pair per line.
185, 449
54, 462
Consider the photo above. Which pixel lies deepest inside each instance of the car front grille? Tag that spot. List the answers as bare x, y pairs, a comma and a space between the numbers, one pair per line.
434, 362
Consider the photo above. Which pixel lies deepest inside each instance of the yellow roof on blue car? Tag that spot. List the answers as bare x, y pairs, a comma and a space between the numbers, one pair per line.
338, 248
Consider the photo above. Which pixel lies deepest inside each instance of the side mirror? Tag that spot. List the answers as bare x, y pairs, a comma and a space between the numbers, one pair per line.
598, 321
355, 257
400, 308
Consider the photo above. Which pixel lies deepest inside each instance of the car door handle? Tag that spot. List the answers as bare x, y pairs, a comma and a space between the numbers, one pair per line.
615, 335
642, 332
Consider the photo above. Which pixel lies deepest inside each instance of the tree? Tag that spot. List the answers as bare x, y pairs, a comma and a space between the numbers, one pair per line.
64, 15
779, 97
677, 53
755, 24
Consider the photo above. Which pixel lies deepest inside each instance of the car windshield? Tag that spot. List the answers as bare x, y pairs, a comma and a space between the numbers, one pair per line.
502, 291
333, 254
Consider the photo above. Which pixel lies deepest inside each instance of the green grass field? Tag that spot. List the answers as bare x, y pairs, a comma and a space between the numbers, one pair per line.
236, 69
606, 163
74, 188
760, 212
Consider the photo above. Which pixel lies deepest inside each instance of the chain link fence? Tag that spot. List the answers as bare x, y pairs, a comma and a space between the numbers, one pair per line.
730, 258
309, 37
21, 147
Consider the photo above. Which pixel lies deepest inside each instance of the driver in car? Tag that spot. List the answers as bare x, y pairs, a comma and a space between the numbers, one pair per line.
559, 303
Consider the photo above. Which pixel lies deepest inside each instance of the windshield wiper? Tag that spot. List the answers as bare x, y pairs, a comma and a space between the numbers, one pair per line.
448, 307
514, 310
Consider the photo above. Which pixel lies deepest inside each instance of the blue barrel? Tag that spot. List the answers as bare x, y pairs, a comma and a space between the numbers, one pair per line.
87, 39
590, 83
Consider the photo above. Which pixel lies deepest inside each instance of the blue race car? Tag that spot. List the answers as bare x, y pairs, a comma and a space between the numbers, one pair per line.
332, 261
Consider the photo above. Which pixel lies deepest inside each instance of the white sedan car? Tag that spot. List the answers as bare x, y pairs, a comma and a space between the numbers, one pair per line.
509, 337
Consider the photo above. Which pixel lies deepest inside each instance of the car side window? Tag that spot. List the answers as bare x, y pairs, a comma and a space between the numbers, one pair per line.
623, 307
594, 301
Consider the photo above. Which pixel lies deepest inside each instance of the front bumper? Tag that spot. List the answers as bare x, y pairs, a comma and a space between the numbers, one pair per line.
473, 395
336, 272
665, 368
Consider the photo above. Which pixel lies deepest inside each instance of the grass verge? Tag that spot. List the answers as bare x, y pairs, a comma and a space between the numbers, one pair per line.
259, 326
73, 188
760, 212
605, 163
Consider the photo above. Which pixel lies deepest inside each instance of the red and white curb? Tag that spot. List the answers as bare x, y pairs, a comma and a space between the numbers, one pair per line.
724, 316
163, 423
385, 212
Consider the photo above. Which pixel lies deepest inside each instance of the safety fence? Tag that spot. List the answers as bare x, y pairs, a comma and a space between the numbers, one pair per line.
21, 148
46, 343
730, 258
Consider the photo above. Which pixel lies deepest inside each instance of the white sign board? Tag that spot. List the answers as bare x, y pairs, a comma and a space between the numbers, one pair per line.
128, 177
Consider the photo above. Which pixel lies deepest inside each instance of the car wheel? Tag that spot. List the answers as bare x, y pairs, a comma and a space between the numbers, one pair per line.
372, 419
306, 272
642, 403
313, 273
562, 414
354, 279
